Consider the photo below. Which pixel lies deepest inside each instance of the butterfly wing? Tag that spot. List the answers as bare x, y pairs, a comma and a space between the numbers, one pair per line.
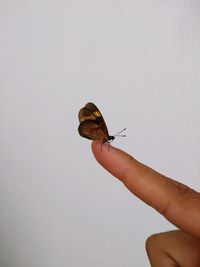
85, 114
91, 130
92, 124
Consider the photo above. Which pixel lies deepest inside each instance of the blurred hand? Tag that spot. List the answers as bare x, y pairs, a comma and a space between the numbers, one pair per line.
175, 201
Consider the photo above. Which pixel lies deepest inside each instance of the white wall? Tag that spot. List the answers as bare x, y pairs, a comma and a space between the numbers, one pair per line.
139, 61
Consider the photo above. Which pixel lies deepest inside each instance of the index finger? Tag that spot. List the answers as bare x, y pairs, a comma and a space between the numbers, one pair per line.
177, 202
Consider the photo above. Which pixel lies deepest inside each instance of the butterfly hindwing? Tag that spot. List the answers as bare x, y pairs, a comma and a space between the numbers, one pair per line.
91, 130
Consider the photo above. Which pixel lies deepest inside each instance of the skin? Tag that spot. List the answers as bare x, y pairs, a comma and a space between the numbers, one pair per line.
178, 203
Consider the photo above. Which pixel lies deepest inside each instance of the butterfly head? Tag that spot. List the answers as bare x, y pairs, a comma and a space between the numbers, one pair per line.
109, 139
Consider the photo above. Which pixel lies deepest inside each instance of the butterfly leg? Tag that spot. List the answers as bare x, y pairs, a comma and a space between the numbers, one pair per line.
101, 146
109, 146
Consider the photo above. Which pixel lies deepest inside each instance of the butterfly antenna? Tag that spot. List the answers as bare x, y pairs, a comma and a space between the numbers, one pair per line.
122, 135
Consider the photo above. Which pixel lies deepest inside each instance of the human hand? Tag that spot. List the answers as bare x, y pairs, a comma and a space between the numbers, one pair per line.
175, 201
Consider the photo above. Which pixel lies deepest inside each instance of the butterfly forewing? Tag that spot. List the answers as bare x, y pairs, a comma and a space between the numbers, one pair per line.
86, 114
93, 108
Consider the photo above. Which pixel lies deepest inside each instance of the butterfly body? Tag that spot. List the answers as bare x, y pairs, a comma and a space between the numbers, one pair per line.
92, 125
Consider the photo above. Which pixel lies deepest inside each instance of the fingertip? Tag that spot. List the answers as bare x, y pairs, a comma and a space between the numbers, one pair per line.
96, 146
100, 150
141, 180
111, 158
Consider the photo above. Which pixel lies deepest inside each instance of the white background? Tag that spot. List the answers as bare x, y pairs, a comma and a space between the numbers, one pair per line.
139, 61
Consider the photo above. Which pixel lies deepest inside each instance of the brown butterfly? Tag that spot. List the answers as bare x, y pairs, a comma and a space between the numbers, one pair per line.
92, 125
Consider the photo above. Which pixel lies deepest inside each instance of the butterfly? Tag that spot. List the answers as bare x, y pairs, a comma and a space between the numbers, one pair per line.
92, 125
